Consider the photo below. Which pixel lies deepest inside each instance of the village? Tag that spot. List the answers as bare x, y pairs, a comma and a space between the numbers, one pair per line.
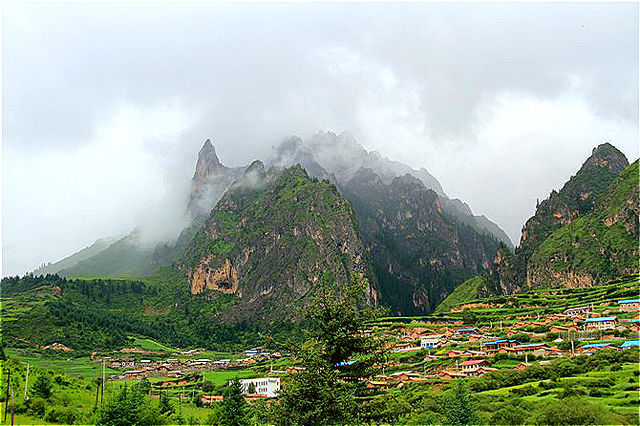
428, 350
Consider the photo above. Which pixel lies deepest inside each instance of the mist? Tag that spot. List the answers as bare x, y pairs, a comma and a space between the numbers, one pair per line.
105, 105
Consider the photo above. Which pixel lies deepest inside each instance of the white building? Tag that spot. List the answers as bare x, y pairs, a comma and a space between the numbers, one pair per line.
268, 386
431, 340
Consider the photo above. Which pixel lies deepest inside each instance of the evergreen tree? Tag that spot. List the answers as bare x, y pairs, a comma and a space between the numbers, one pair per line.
129, 407
42, 387
337, 357
165, 406
460, 406
234, 407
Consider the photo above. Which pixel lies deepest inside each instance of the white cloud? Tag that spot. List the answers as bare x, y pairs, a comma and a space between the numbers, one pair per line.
57, 202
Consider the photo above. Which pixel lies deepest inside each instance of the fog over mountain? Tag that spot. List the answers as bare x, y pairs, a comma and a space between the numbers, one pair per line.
105, 106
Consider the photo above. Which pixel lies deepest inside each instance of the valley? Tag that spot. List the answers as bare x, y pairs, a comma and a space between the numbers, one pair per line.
519, 353
353, 273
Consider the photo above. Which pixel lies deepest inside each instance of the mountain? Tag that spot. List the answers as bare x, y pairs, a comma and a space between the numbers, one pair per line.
70, 261
446, 239
575, 199
339, 157
419, 251
127, 256
596, 247
269, 240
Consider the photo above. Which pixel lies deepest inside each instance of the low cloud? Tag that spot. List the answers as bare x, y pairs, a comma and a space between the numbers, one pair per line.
105, 105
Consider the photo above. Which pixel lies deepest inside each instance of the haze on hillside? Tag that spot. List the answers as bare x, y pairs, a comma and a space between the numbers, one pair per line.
105, 106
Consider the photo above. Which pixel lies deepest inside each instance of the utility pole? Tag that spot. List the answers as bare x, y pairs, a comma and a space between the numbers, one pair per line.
572, 353
26, 383
12, 408
102, 387
6, 397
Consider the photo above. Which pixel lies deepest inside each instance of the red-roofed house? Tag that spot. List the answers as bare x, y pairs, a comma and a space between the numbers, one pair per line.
472, 366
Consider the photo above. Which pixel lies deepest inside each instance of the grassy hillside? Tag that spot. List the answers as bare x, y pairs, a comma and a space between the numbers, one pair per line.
70, 261
472, 289
122, 258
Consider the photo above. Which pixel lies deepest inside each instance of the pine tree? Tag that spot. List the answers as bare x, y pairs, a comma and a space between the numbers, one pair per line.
337, 357
42, 387
234, 407
460, 406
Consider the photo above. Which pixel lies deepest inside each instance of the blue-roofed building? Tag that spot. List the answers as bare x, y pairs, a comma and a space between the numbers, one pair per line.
592, 347
466, 331
596, 345
494, 345
629, 305
601, 323
631, 344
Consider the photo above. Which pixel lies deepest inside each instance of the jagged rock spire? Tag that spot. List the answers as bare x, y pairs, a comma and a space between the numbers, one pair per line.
208, 162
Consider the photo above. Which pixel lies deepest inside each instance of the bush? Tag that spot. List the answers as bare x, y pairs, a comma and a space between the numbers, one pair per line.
524, 391
426, 418
64, 415
596, 393
569, 390
42, 387
601, 383
509, 415
129, 407
62, 380
36, 406
208, 386
575, 411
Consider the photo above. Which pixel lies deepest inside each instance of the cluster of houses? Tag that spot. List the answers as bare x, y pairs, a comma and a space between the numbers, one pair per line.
134, 369
473, 345
470, 347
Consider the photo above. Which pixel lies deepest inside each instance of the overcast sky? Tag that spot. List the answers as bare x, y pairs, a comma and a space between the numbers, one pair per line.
104, 106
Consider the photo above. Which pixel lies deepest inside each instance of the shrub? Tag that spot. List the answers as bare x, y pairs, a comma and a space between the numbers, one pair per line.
42, 387
509, 415
575, 411
36, 406
208, 386
62, 380
58, 414
524, 391
596, 393
570, 391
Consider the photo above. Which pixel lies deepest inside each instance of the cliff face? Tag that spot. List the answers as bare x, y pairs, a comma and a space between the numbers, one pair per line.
419, 251
269, 240
598, 246
576, 199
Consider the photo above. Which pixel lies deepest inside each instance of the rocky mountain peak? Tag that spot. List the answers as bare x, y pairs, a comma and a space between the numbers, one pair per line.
606, 156
208, 162
256, 166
